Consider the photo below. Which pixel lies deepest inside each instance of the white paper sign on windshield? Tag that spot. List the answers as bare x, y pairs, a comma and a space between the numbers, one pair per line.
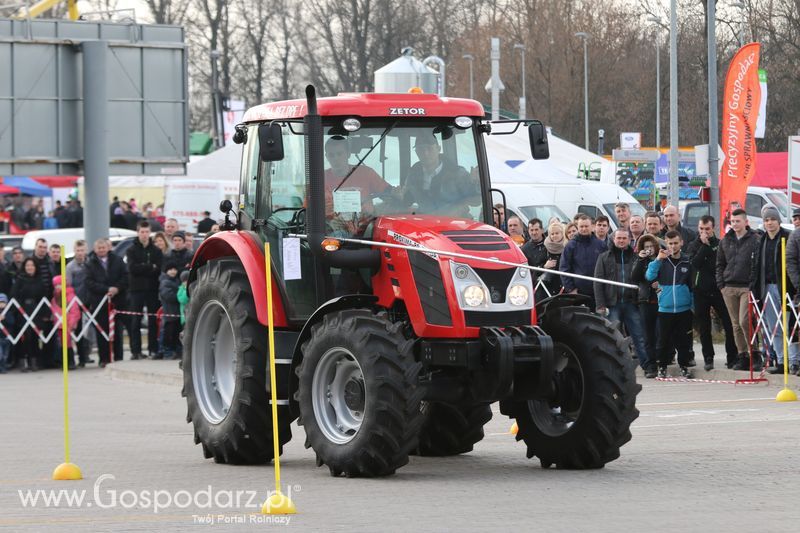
291, 258
347, 201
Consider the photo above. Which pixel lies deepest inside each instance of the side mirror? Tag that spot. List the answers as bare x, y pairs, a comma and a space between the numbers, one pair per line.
226, 206
537, 135
240, 135
270, 142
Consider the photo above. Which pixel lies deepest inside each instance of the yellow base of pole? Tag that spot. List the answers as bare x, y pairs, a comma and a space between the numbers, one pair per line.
67, 472
278, 504
786, 395
514, 429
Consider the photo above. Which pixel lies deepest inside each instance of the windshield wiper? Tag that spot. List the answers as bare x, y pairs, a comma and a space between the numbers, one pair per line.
360, 161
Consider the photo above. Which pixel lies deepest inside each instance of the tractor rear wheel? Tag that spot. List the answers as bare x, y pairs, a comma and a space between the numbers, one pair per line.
451, 429
358, 394
224, 369
588, 419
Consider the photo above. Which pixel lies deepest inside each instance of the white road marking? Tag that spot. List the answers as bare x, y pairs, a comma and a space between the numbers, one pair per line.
635, 426
772, 399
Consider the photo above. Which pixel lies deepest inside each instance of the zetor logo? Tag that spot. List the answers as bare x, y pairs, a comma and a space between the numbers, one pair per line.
406, 111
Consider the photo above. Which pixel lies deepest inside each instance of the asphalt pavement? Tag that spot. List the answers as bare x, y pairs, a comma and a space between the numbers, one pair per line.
704, 456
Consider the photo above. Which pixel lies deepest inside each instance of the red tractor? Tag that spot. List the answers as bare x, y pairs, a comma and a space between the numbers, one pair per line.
402, 312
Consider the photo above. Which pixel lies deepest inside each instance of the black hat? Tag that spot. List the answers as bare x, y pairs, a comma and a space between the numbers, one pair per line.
796, 212
180, 234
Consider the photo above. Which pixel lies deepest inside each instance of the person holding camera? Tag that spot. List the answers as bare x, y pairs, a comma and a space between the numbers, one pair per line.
648, 247
702, 254
673, 272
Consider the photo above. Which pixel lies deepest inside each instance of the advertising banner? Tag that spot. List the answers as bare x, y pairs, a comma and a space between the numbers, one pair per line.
740, 106
794, 171
761, 123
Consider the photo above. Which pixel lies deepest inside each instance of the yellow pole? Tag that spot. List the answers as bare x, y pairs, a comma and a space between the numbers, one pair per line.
66, 470
73, 9
786, 395
277, 503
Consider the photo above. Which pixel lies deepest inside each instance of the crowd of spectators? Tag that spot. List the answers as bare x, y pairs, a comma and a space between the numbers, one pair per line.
682, 275
150, 280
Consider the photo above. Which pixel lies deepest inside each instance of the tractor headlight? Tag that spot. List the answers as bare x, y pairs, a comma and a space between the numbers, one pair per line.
518, 295
474, 295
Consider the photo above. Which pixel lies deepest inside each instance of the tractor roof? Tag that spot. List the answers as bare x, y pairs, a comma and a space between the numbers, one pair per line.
370, 105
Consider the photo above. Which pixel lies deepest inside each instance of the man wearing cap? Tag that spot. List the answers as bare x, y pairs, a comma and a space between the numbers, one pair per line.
796, 218
180, 257
204, 226
769, 281
433, 181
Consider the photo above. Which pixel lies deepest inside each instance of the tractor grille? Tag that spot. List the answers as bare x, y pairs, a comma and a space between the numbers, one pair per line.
428, 279
497, 281
477, 240
502, 318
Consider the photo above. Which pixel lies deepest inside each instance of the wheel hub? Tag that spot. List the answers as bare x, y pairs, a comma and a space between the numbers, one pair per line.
354, 395
555, 417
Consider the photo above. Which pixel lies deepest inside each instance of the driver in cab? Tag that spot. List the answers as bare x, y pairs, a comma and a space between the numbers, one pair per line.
434, 183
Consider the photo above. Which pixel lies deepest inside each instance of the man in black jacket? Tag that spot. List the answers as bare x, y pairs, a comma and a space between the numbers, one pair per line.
616, 264
534, 249
702, 253
768, 285
672, 222
45, 269
736, 260
106, 275
144, 267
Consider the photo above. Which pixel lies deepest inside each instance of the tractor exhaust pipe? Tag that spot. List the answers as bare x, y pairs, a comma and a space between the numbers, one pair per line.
315, 177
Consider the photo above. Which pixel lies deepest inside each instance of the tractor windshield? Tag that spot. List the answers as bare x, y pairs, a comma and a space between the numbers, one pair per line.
399, 168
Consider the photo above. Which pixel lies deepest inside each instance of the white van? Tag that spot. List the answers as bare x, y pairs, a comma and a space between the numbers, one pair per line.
757, 197
564, 198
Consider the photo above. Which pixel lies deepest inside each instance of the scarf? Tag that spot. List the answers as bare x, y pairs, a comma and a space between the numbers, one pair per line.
555, 248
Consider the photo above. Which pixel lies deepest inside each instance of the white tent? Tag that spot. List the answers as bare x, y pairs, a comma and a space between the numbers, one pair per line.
222, 165
565, 158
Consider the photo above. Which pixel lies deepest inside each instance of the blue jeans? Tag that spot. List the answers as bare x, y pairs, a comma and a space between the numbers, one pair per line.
628, 313
774, 323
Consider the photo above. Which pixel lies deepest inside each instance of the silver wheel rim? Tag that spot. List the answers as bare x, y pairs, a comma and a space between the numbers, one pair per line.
214, 361
551, 417
338, 395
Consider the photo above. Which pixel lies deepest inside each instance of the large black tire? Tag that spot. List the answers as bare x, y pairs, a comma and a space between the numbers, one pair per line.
588, 422
240, 433
451, 429
369, 418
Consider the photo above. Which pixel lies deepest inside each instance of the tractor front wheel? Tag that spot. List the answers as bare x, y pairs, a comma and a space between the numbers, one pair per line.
588, 418
358, 395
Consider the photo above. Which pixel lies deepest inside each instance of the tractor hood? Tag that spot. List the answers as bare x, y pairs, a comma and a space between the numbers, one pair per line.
448, 234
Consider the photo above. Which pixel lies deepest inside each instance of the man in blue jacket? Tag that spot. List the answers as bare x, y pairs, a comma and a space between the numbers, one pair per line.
673, 272
580, 257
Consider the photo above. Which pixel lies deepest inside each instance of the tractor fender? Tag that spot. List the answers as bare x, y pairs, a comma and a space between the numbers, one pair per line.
349, 301
560, 300
248, 247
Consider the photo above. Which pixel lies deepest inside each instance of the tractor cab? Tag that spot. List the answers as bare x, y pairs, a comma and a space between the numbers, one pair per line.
384, 155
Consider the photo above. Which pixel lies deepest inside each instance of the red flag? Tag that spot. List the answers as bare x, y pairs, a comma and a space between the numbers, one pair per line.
739, 115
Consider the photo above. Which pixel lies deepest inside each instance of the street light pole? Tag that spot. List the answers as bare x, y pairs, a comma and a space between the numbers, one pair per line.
585, 37
713, 114
657, 20
522, 100
673, 104
470, 58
